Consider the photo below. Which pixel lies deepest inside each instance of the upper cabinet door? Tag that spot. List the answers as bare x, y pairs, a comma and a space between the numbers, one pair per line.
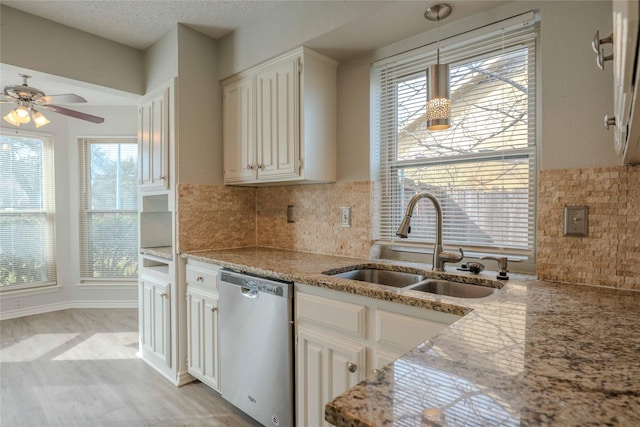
279, 121
153, 140
278, 118
238, 131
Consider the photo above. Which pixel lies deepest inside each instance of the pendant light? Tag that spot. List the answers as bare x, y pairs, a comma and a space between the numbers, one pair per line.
438, 90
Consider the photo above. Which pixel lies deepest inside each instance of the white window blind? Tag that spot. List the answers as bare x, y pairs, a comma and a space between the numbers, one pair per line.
27, 210
109, 209
483, 168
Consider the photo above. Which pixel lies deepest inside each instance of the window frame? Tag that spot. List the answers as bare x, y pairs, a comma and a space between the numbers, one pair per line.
385, 163
48, 210
85, 211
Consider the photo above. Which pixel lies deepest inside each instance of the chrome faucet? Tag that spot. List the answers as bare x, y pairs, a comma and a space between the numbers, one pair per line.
440, 257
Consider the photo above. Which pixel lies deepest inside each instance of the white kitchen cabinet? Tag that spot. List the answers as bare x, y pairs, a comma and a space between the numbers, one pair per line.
202, 336
155, 339
338, 333
279, 121
326, 366
202, 325
154, 125
239, 130
277, 136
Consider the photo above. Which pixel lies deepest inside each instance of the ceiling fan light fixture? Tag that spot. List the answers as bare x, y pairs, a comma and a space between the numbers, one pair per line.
11, 119
39, 119
21, 114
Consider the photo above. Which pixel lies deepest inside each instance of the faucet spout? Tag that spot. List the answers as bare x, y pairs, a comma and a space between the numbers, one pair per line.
404, 229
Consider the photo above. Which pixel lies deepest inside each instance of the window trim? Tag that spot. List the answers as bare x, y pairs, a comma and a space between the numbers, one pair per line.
49, 197
83, 143
394, 248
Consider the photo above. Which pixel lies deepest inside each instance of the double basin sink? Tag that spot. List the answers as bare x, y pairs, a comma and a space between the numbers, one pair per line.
418, 282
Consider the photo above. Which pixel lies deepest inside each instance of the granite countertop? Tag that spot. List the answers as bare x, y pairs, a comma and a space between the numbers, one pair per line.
533, 353
165, 252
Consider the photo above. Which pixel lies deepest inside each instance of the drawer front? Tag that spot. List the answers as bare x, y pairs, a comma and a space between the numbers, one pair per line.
202, 278
404, 332
340, 316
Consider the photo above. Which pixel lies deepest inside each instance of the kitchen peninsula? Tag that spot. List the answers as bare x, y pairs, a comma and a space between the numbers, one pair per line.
533, 353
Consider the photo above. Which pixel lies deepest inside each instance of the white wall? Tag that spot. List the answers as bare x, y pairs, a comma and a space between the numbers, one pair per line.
199, 110
161, 61
119, 121
34, 43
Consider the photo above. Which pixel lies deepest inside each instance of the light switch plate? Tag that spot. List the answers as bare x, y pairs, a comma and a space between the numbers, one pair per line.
576, 221
345, 216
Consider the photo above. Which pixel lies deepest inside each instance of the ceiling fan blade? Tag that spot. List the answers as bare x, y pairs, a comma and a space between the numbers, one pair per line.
72, 113
67, 98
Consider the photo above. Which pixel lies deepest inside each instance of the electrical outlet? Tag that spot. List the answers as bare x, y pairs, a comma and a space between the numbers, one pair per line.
345, 216
291, 213
576, 221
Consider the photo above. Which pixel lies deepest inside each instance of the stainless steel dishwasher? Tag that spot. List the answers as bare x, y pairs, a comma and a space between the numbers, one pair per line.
256, 346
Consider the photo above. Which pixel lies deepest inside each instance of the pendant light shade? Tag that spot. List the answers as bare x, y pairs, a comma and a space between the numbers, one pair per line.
438, 98
438, 90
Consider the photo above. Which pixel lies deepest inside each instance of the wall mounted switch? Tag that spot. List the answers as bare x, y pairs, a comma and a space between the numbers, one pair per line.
345, 216
576, 221
291, 213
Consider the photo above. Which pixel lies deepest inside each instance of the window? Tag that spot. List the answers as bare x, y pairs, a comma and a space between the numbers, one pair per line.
27, 226
483, 168
109, 209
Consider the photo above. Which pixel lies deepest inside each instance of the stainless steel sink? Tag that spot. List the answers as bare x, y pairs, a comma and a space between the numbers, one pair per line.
416, 282
452, 289
398, 279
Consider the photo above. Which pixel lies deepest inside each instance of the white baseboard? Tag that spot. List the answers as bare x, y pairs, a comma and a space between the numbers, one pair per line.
29, 311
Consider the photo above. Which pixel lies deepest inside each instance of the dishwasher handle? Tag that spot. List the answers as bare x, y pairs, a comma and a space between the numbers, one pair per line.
248, 292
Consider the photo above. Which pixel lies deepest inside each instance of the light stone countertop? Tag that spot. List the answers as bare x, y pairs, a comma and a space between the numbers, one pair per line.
165, 252
533, 353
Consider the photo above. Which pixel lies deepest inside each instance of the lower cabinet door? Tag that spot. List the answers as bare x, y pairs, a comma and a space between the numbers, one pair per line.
327, 366
202, 337
156, 318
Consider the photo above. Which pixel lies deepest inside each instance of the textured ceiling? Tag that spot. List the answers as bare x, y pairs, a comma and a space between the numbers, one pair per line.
140, 23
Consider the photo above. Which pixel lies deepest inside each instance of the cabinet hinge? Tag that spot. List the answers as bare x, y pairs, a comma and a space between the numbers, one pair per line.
186, 361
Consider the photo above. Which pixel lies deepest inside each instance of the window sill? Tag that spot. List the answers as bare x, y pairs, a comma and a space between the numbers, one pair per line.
8, 292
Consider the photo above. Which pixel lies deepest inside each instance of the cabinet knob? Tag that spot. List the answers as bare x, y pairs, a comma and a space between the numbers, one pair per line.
249, 167
352, 367
601, 59
597, 41
214, 309
199, 279
163, 295
260, 166
609, 121
163, 177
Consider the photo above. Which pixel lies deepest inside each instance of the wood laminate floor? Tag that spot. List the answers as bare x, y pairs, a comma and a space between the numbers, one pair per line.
79, 368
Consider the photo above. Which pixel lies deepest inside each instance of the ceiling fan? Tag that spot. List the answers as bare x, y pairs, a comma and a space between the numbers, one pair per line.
28, 99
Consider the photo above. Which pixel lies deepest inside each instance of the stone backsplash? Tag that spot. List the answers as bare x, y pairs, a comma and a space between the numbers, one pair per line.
317, 227
217, 217
610, 254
